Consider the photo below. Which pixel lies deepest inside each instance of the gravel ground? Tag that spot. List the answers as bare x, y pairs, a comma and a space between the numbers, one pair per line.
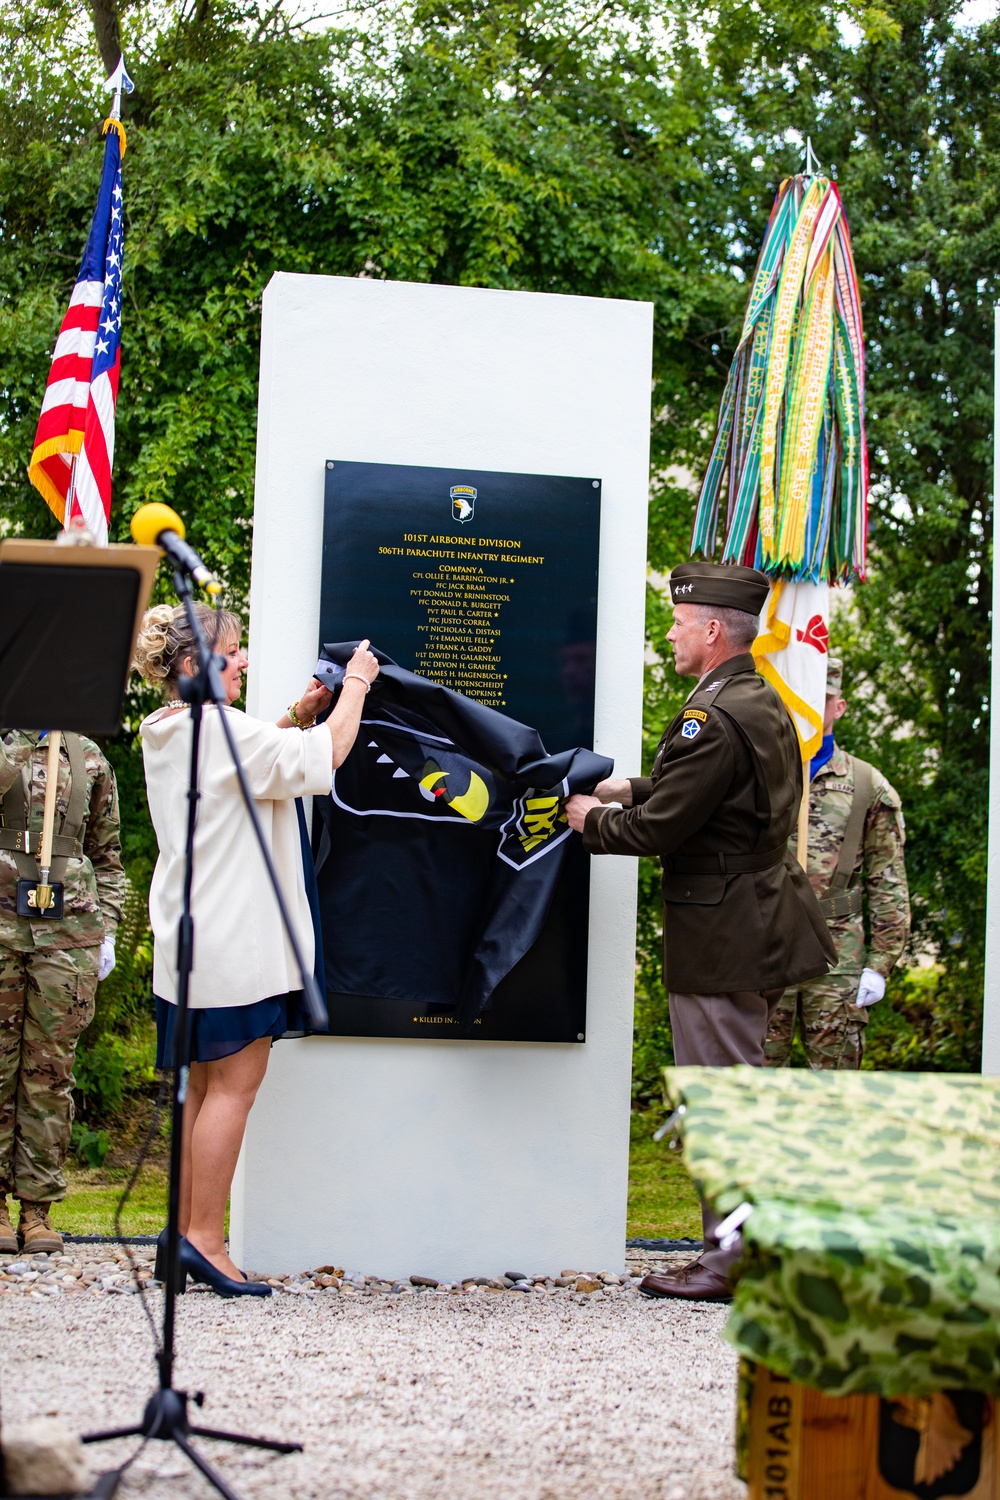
475, 1393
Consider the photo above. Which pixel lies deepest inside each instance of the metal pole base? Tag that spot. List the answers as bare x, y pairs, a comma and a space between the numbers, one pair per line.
166, 1418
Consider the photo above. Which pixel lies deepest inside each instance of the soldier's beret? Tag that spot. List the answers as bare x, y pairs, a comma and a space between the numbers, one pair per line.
727, 585
834, 677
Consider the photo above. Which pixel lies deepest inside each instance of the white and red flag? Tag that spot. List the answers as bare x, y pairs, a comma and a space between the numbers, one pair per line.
791, 652
75, 442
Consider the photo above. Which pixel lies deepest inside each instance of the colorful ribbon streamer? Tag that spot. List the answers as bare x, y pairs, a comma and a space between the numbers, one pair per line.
790, 440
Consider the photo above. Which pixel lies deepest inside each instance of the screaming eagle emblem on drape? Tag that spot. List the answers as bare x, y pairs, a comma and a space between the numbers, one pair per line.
443, 839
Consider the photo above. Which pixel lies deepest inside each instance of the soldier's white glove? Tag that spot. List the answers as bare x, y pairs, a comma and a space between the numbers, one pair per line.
106, 959
871, 988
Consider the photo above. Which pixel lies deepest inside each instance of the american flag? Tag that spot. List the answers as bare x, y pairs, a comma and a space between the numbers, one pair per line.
77, 419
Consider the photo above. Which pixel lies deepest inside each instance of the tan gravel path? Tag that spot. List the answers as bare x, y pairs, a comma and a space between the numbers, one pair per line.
445, 1396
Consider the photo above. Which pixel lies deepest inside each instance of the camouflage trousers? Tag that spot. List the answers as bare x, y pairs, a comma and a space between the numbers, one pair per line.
831, 1026
46, 1001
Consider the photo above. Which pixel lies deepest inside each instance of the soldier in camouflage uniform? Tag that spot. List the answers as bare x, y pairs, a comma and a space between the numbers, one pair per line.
832, 1012
49, 969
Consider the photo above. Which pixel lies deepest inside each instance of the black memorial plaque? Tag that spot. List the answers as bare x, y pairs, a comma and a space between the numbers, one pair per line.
486, 583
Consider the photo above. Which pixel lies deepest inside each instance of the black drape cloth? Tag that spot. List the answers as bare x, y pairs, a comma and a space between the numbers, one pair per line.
442, 842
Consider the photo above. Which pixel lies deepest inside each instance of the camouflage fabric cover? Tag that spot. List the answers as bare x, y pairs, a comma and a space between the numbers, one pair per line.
872, 1255
95, 884
879, 866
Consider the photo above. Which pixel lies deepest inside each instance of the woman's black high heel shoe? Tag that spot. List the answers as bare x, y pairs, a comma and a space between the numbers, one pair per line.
195, 1265
192, 1263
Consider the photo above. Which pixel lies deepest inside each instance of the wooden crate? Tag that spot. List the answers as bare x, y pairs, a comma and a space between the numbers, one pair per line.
797, 1444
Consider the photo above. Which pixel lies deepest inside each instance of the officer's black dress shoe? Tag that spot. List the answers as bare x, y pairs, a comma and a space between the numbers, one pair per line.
692, 1283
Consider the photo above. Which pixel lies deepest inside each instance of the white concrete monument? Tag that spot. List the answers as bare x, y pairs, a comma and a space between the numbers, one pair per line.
449, 1158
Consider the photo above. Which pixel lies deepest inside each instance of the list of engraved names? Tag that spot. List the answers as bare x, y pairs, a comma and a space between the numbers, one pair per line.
462, 584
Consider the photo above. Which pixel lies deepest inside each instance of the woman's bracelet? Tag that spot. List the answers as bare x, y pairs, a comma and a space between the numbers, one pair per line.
358, 678
295, 718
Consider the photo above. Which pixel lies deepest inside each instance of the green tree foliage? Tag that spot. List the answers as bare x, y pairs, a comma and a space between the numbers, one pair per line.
565, 147
925, 171
116, 1053
898, 99
904, 112
510, 146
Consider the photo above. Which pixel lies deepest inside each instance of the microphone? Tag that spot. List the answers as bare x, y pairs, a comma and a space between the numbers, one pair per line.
159, 526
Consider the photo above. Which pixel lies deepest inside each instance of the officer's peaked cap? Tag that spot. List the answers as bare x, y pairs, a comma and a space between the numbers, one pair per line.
725, 584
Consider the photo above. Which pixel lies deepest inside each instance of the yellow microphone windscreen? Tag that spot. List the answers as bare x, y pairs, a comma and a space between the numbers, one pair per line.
150, 520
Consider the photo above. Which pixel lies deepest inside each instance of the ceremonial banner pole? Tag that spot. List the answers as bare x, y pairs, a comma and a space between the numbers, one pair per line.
44, 890
802, 831
790, 447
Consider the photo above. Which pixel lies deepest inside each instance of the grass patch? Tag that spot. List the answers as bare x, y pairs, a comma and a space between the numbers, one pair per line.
662, 1202
92, 1197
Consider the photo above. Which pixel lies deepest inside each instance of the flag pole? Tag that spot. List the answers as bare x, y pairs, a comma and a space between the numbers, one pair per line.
802, 843
118, 80
73, 435
43, 891
75, 528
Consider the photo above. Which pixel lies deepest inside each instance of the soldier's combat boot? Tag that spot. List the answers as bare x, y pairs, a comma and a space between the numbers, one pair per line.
35, 1232
8, 1239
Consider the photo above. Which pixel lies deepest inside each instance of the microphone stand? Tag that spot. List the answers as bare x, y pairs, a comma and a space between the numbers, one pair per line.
166, 1414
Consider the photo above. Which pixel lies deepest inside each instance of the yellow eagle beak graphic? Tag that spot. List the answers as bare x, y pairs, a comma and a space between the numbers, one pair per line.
471, 804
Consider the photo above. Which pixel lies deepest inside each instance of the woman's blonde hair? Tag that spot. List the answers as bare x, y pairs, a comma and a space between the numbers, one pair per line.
165, 640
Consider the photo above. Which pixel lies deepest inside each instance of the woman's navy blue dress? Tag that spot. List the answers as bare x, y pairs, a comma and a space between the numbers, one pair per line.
221, 1031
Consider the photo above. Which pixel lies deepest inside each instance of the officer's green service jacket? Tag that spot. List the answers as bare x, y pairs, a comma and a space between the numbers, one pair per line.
94, 884
718, 809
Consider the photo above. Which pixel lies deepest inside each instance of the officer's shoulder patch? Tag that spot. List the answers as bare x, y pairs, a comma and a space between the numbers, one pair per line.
696, 713
690, 728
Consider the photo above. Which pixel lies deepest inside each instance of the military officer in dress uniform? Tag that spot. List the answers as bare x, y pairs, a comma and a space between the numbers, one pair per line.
740, 920
855, 853
49, 968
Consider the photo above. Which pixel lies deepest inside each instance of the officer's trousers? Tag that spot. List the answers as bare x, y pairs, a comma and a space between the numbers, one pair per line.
46, 1001
719, 1031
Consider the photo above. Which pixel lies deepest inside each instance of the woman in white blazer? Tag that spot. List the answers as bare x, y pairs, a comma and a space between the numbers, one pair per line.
245, 985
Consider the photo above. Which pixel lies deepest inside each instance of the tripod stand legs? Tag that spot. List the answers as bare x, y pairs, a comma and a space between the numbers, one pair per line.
113, 1432
249, 1442
165, 1418
214, 1479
